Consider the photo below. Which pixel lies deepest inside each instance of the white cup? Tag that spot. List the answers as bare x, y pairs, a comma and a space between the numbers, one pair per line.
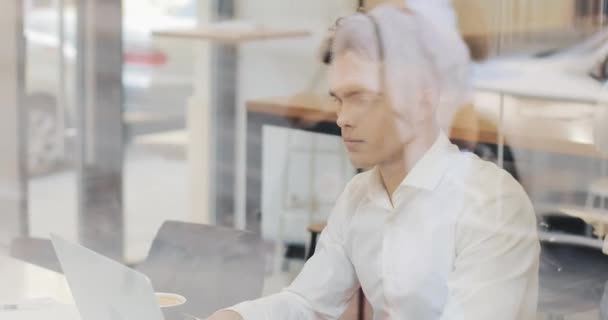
168, 300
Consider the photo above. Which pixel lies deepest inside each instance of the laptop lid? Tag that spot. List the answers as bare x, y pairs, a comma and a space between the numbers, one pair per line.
104, 289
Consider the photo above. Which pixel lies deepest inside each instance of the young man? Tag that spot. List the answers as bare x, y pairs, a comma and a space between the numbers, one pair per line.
427, 233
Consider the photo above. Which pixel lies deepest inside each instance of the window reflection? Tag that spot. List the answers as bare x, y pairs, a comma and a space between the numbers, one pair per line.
251, 115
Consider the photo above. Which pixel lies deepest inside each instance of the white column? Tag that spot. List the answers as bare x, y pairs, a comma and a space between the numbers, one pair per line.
198, 121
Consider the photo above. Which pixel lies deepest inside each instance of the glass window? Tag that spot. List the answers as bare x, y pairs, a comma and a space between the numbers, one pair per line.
380, 159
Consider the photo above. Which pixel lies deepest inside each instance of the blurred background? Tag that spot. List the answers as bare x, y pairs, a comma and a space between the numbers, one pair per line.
118, 115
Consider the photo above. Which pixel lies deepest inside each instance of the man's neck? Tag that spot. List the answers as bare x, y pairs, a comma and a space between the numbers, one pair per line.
394, 172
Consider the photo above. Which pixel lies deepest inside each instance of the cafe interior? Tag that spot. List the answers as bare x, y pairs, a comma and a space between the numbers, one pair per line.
194, 143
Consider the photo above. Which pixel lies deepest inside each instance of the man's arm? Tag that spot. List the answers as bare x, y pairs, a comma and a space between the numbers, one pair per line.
323, 288
495, 273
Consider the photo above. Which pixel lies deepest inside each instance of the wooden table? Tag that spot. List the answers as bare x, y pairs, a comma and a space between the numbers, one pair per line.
527, 124
228, 35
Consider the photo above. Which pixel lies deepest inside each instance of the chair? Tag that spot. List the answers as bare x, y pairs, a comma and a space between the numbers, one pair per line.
212, 267
36, 251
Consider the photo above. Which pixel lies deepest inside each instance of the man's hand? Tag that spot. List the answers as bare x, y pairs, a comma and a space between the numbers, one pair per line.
225, 315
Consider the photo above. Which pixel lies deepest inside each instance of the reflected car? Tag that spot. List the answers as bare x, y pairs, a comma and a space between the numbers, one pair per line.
157, 75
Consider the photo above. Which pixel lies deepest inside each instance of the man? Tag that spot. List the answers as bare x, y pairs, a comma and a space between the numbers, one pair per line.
428, 232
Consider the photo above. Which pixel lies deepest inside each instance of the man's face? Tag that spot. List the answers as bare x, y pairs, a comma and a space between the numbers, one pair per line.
373, 132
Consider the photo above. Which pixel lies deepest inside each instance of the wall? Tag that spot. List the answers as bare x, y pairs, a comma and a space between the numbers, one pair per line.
291, 169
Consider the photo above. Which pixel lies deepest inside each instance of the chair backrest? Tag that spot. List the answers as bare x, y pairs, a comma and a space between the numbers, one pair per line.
212, 267
36, 251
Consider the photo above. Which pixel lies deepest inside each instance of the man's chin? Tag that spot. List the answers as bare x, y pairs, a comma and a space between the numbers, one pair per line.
361, 164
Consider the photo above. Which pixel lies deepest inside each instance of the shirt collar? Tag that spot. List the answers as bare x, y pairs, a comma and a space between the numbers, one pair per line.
429, 169
427, 172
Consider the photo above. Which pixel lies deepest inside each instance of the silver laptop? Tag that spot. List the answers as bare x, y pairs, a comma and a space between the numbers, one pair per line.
104, 289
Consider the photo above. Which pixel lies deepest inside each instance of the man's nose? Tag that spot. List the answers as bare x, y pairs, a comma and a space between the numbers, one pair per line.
345, 119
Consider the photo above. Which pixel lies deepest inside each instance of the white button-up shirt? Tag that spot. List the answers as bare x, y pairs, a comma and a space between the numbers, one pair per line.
459, 242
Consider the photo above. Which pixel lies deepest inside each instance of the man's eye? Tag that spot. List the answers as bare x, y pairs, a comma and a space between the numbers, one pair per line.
364, 98
336, 100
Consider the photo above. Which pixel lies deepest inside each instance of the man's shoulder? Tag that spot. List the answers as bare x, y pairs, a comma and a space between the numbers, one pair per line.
482, 180
495, 203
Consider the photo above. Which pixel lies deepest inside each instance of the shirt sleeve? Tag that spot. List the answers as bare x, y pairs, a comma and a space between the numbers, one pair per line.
325, 285
495, 274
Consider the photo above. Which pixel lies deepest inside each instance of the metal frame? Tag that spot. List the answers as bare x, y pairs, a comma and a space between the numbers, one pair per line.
99, 124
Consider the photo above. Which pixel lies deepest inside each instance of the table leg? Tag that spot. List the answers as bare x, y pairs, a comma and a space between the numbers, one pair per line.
200, 162
240, 182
